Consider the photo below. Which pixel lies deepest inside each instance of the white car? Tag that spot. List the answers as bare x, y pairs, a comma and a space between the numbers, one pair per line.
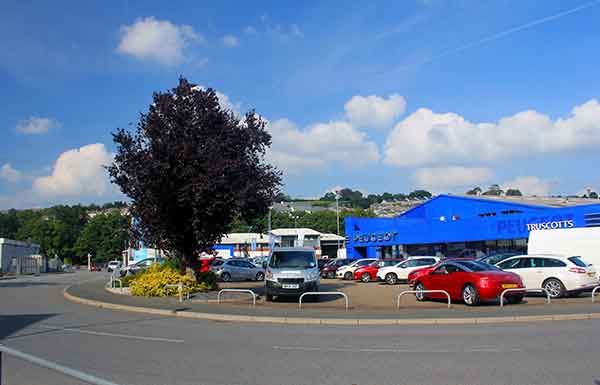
347, 272
113, 265
558, 274
400, 271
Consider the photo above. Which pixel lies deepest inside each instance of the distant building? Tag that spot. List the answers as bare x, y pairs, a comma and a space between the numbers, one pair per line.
17, 252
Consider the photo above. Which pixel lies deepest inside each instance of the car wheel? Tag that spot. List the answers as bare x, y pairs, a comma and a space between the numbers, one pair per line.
348, 275
514, 299
260, 276
225, 277
554, 287
365, 277
470, 295
391, 278
331, 275
420, 296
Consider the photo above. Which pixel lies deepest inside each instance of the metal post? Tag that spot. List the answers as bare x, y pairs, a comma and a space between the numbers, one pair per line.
0, 367
337, 215
180, 291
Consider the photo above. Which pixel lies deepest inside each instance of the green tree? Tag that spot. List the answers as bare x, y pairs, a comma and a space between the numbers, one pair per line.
594, 195
104, 237
511, 192
420, 194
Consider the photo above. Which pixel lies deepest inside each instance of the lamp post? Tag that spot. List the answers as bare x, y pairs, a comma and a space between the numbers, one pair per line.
337, 216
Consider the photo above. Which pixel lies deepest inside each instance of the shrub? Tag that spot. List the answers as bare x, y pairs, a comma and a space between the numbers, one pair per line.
152, 282
209, 279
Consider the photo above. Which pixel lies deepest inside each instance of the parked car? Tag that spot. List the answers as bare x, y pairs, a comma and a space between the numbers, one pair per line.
466, 280
347, 272
369, 273
329, 270
399, 272
238, 269
140, 266
291, 271
206, 264
113, 265
321, 263
95, 267
496, 258
470, 253
559, 275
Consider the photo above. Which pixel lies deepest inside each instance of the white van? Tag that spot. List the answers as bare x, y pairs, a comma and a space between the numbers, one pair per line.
583, 242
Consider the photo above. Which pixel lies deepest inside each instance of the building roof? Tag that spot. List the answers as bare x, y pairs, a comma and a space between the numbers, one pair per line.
240, 238
537, 201
294, 231
331, 237
13, 242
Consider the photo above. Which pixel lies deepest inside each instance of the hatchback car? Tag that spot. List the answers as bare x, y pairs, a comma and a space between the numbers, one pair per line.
347, 272
559, 275
369, 273
329, 270
469, 281
238, 269
399, 272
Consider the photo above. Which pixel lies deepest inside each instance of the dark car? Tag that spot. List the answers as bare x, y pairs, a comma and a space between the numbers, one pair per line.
495, 258
328, 271
321, 263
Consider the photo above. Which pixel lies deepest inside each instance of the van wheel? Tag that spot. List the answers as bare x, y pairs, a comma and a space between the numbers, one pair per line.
554, 287
391, 278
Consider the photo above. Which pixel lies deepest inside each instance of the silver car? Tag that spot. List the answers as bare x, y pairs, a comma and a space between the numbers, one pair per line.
237, 269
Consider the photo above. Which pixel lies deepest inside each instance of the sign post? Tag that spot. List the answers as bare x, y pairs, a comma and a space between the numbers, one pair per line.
89, 262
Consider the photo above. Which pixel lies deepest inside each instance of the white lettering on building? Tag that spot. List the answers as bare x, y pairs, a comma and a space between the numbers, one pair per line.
566, 224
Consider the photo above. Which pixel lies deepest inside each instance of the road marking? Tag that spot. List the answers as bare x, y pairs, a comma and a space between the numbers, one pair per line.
476, 349
126, 336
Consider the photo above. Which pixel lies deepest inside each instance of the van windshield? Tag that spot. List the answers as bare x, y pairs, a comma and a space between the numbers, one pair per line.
292, 259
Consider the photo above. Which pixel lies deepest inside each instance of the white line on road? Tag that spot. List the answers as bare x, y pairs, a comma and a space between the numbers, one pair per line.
476, 349
126, 336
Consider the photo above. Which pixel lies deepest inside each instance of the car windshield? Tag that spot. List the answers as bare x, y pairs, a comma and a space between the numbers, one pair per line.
577, 261
477, 266
292, 259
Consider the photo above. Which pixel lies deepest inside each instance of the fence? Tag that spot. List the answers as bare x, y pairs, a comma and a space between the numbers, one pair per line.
180, 291
521, 290
594, 293
237, 291
323, 293
88, 378
421, 292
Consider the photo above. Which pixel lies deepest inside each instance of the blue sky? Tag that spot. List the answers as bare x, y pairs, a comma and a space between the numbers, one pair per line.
386, 96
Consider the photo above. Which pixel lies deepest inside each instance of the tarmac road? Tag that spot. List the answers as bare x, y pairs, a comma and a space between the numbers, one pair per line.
130, 348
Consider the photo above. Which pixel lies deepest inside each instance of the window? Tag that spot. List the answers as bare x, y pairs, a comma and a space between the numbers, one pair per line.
441, 270
453, 269
425, 262
246, 265
477, 266
410, 263
549, 262
577, 261
511, 264
365, 262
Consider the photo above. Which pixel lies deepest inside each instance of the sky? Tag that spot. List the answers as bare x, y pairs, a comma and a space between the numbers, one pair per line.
386, 96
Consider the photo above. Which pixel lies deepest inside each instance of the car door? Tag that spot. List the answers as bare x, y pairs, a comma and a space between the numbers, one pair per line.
233, 269
405, 268
522, 267
248, 270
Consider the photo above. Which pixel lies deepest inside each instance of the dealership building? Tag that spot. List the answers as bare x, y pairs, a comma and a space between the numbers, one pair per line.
449, 224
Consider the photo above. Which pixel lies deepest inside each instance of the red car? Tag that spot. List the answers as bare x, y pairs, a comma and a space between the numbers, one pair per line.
469, 281
369, 273
95, 268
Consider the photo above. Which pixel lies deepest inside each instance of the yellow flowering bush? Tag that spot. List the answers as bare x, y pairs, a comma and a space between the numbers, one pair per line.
152, 282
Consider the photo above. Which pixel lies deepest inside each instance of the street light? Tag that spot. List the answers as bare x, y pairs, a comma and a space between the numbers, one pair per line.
337, 215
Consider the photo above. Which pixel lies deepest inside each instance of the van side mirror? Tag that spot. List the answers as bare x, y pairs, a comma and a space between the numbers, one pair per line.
264, 265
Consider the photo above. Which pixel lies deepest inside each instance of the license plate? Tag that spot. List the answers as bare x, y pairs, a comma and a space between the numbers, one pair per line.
509, 285
290, 286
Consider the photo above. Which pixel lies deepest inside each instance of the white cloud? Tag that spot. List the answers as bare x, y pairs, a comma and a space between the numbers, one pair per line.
158, 40
230, 41
451, 176
374, 111
295, 150
36, 125
78, 173
8, 173
529, 185
426, 137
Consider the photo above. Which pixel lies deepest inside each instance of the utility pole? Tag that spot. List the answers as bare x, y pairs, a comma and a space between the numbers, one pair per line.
337, 215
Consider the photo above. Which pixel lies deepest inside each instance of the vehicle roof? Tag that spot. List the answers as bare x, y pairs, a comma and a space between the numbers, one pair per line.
424, 256
555, 256
293, 249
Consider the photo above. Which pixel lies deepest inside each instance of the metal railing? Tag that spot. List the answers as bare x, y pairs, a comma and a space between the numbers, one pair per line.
88, 378
179, 286
112, 283
525, 290
422, 291
594, 293
237, 291
322, 293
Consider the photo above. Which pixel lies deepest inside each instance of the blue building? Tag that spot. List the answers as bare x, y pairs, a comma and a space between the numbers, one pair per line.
448, 224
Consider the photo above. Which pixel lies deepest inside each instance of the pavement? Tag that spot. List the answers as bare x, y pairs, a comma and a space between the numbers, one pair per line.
331, 310
132, 348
